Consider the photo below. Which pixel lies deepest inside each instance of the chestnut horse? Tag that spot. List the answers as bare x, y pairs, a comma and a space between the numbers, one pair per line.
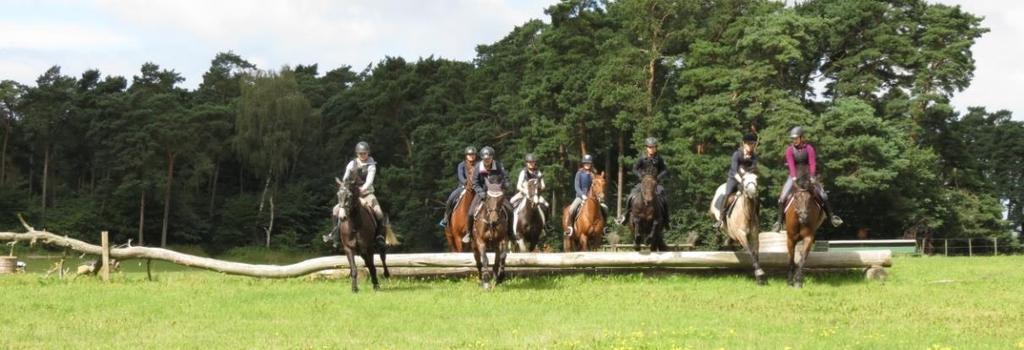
491, 227
803, 217
742, 225
589, 226
458, 223
357, 227
646, 215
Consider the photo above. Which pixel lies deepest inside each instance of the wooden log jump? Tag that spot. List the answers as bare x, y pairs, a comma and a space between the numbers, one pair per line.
862, 259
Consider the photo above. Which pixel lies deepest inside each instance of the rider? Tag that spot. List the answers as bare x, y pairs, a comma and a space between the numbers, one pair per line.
744, 160
364, 168
584, 178
487, 168
801, 159
654, 163
528, 173
463, 173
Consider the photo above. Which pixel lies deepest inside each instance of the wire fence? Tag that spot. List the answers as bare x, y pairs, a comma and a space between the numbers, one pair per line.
984, 246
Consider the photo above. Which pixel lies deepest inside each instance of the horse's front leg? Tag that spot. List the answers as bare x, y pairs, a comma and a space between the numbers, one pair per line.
372, 268
485, 273
384, 261
752, 249
353, 272
638, 236
499, 263
808, 246
790, 251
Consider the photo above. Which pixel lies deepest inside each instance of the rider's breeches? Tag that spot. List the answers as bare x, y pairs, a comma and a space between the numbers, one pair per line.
370, 201
454, 196
818, 189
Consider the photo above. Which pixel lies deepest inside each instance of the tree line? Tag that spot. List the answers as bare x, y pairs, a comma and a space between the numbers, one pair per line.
248, 157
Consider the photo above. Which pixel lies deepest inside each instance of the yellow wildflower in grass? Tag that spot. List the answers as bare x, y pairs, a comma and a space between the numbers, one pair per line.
1020, 344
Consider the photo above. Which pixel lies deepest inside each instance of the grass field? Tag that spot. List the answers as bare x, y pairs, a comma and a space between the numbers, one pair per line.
927, 303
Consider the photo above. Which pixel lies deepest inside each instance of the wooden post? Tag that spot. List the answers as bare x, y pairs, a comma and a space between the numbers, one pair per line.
105, 241
945, 242
970, 248
995, 244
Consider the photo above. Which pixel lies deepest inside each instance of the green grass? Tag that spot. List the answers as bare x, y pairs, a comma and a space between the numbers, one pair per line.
926, 303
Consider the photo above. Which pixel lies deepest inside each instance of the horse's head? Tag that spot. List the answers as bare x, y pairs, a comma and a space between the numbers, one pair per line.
532, 188
749, 181
648, 186
345, 195
597, 186
492, 215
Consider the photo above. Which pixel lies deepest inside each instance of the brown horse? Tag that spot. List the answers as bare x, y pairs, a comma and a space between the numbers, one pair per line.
529, 224
589, 226
491, 227
646, 215
803, 217
357, 227
458, 224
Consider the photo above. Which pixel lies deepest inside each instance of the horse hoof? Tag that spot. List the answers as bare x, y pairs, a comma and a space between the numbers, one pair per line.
376, 287
761, 281
486, 286
355, 290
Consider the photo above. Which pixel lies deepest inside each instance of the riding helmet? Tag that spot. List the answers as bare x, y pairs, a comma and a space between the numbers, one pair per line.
651, 141
362, 147
487, 152
530, 158
470, 150
749, 138
588, 159
796, 132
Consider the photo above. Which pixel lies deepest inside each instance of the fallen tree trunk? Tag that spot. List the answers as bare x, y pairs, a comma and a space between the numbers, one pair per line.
863, 259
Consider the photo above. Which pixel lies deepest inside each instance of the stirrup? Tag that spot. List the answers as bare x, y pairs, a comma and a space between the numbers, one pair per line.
620, 220
836, 221
777, 226
718, 224
465, 238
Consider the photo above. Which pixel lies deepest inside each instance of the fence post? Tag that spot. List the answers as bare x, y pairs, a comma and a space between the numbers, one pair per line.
995, 244
945, 242
970, 249
105, 270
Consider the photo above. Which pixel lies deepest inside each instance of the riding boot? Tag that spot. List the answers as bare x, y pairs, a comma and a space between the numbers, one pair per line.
380, 233
447, 215
469, 229
834, 219
625, 215
568, 222
782, 215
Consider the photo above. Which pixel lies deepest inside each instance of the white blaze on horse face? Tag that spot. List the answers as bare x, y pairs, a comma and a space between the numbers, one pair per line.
750, 185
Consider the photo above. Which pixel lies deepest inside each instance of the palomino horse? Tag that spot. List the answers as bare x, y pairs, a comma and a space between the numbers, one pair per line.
646, 215
743, 223
589, 226
458, 223
491, 227
528, 223
357, 227
803, 217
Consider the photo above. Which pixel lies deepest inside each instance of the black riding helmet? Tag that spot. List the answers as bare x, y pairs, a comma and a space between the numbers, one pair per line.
749, 138
588, 159
470, 150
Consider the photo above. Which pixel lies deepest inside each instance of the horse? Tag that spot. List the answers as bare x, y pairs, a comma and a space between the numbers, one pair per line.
458, 223
742, 224
804, 215
491, 227
589, 226
357, 227
528, 223
646, 215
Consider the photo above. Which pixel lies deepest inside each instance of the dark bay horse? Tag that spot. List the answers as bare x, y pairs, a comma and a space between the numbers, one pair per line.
646, 215
743, 224
491, 227
803, 217
528, 223
458, 224
589, 226
357, 227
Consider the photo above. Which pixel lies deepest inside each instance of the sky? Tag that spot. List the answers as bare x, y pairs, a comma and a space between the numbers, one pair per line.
117, 37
